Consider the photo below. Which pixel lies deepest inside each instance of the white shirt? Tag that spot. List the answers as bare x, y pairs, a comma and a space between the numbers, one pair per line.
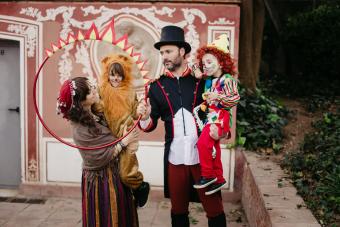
183, 149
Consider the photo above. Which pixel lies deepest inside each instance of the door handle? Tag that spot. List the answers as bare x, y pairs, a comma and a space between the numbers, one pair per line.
15, 109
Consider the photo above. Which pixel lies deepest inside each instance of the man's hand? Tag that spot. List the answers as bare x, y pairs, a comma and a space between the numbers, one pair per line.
214, 132
144, 109
210, 96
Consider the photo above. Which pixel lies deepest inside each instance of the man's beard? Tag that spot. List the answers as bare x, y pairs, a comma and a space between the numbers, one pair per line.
174, 64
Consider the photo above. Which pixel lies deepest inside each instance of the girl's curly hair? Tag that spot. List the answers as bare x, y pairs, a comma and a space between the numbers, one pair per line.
223, 58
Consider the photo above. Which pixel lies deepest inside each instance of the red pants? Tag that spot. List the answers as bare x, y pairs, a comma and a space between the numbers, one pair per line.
210, 167
181, 179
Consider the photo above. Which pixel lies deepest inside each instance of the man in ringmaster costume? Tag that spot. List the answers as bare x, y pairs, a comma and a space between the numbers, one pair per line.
172, 98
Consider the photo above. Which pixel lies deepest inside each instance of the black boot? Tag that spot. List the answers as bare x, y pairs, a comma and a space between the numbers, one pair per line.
141, 194
218, 221
179, 220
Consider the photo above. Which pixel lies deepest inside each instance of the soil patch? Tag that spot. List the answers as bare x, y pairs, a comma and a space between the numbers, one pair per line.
299, 124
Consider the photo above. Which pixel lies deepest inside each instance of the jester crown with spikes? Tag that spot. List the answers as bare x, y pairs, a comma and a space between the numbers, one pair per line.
107, 35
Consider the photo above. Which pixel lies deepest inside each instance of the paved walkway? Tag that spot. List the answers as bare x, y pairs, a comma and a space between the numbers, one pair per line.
64, 212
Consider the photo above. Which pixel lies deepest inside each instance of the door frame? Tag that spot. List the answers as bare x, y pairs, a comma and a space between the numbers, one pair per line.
22, 101
31, 55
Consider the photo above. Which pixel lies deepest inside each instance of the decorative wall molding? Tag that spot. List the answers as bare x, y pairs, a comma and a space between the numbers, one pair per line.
30, 32
104, 14
32, 170
65, 65
222, 21
83, 57
215, 31
51, 14
192, 36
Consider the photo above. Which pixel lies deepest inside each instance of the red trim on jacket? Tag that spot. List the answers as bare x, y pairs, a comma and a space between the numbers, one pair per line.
169, 104
195, 94
186, 72
194, 104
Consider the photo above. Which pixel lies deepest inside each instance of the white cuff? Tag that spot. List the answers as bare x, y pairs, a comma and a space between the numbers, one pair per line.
146, 123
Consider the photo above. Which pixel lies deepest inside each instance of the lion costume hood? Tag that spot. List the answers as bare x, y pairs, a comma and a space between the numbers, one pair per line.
120, 102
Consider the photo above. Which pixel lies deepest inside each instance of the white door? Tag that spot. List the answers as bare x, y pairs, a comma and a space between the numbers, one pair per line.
10, 168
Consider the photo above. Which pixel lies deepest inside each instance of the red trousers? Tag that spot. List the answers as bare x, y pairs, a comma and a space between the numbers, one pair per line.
210, 167
181, 179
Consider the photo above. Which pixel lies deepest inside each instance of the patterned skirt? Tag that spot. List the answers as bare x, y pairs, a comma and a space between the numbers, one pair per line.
106, 202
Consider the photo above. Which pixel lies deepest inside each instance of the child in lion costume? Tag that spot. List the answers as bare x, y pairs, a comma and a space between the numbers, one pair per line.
119, 104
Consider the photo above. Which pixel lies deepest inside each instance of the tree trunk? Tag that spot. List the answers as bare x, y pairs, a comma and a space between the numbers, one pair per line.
273, 14
251, 32
258, 23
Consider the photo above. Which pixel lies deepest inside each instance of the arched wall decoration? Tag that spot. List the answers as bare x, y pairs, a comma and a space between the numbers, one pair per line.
141, 35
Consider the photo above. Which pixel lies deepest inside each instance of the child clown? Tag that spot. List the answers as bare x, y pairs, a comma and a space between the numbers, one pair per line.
221, 94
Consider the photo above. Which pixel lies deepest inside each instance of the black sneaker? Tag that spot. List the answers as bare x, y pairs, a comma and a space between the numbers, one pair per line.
141, 194
215, 187
204, 182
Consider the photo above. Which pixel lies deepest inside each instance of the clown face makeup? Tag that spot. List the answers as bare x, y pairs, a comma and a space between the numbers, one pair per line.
211, 66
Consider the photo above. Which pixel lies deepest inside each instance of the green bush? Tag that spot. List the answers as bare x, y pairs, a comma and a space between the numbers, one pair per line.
315, 170
312, 41
259, 121
316, 103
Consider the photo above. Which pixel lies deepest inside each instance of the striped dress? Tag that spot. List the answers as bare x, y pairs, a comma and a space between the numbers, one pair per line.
106, 201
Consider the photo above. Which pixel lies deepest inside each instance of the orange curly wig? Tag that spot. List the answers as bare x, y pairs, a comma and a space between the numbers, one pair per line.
223, 58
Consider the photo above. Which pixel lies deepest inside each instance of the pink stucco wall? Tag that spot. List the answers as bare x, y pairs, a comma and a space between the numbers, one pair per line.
43, 23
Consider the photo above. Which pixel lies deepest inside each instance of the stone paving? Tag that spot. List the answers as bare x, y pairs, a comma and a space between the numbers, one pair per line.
267, 196
268, 188
66, 212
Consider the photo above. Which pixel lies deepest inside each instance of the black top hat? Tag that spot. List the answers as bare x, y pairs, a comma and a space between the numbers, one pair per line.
173, 35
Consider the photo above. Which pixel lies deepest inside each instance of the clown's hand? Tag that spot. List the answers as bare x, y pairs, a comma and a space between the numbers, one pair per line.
197, 71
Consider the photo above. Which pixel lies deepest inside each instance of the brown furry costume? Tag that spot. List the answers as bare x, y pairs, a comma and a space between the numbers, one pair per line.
119, 107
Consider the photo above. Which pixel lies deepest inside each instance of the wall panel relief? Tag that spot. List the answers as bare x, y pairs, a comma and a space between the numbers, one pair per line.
141, 32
